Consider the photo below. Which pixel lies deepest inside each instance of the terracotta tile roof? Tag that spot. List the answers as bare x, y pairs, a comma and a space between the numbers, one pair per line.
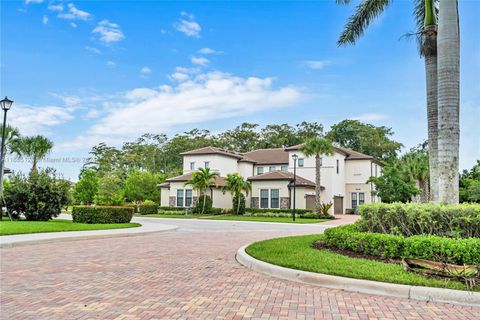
282, 175
213, 150
220, 181
349, 153
268, 156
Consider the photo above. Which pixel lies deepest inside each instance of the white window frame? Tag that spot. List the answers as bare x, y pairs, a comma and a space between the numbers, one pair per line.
303, 162
357, 200
192, 166
206, 164
272, 168
184, 198
269, 198
260, 168
284, 166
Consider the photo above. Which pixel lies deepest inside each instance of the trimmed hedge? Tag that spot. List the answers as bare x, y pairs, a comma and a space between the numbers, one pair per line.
260, 210
147, 208
102, 214
451, 250
410, 219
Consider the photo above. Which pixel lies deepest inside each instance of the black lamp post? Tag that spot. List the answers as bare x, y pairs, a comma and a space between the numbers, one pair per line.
294, 157
6, 104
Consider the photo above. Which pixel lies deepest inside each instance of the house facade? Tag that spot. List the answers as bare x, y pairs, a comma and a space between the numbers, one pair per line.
344, 177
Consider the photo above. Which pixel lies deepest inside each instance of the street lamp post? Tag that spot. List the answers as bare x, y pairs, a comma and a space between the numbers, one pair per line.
294, 157
5, 104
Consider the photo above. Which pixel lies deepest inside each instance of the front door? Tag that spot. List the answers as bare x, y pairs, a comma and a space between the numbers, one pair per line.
338, 205
310, 201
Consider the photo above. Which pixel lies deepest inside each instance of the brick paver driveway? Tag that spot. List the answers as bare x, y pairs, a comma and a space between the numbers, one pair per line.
187, 274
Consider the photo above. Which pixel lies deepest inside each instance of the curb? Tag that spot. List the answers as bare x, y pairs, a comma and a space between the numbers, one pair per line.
65, 237
428, 294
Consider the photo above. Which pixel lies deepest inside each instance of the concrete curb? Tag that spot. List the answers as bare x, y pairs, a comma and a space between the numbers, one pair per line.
364, 286
49, 237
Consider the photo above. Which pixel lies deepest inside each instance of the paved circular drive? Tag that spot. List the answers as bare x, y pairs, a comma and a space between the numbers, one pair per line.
187, 274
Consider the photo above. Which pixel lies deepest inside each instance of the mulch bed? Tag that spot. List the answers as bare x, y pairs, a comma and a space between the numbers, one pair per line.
348, 253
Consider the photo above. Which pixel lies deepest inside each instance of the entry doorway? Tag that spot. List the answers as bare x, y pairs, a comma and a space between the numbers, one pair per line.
310, 201
337, 205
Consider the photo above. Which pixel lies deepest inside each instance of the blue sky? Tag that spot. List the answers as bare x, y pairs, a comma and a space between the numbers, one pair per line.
83, 72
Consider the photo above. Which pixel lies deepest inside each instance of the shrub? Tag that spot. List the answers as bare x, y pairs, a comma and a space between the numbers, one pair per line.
146, 208
261, 210
421, 219
456, 251
171, 208
282, 214
203, 205
39, 197
141, 185
236, 207
102, 214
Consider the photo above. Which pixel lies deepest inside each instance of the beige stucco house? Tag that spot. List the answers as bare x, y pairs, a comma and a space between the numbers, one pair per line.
344, 178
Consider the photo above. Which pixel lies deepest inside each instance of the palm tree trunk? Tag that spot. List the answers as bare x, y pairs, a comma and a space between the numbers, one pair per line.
430, 54
238, 203
448, 101
318, 203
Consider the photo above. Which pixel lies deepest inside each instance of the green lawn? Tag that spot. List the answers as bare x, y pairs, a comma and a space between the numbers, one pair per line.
176, 216
267, 219
56, 225
297, 253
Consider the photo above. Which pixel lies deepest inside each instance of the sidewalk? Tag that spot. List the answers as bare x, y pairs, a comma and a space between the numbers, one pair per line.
34, 238
340, 220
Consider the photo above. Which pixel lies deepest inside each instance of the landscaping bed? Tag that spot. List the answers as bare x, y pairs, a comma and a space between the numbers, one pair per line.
267, 219
299, 253
58, 225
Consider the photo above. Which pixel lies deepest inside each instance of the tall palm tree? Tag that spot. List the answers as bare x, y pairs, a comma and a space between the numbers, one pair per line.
34, 147
425, 16
202, 180
316, 147
236, 185
448, 101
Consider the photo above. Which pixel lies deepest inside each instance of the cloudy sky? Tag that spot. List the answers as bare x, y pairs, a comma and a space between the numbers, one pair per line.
85, 72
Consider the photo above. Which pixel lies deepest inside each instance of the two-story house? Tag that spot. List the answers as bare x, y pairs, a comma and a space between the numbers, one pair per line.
344, 177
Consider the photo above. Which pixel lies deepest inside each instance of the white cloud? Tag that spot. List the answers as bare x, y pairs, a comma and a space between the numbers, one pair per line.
209, 51
69, 101
111, 64
36, 120
109, 32
179, 76
74, 13
205, 97
45, 19
316, 64
188, 25
370, 117
55, 7
145, 70
92, 114
73, 24
33, 1
200, 61
93, 50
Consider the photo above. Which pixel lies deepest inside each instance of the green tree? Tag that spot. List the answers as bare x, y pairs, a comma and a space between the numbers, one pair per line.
469, 185
104, 159
236, 185
393, 186
141, 186
316, 147
243, 138
86, 188
308, 130
415, 168
365, 138
34, 148
202, 180
110, 190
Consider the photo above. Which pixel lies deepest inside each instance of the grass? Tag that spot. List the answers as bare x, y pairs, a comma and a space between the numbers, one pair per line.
267, 219
56, 225
297, 253
175, 216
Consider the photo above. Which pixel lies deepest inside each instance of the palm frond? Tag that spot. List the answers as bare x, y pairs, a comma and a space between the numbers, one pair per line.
425, 44
342, 1
358, 23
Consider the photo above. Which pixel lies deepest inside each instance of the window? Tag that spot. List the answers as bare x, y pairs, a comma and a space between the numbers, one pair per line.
300, 162
376, 170
264, 198
321, 162
361, 198
274, 198
354, 200
338, 166
207, 164
192, 166
188, 198
180, 198
272, 168
284, 168
259, 170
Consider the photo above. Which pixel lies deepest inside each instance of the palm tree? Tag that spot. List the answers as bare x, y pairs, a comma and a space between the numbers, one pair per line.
425, 15
415, 168
202, 180
236, 185
34, 147
448, 101
316, 147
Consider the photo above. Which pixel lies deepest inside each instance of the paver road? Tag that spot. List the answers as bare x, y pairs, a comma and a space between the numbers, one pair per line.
187, 274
